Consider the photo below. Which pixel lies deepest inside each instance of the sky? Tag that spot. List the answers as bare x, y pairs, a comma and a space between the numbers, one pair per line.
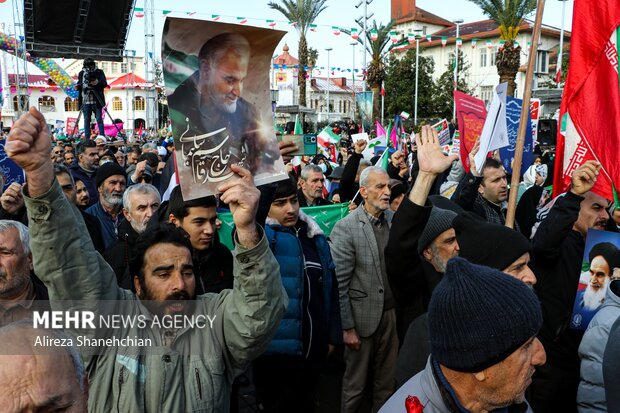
341, 13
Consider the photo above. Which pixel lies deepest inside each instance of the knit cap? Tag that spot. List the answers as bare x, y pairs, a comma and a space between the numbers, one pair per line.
439, 221
489, 244
107, 170
478, 316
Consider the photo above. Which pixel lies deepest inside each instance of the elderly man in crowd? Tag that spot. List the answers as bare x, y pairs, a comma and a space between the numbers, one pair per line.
196, 366
140, 203
484, 350
111, 183
367, 305
35, 379
311, 182
18, 287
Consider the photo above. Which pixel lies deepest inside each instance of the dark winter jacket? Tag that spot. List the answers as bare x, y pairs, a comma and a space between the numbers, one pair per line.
411, 278
312, 318
89, 181
213, 268
556, 260
120, 253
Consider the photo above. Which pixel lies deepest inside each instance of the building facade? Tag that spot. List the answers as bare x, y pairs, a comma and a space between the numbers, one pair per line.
125, 96
480, 42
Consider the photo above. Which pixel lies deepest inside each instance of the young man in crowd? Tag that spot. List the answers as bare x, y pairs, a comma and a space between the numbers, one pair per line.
213, 262
85, 168
287, 376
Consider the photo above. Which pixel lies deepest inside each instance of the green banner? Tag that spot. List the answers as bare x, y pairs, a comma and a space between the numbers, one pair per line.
325, 216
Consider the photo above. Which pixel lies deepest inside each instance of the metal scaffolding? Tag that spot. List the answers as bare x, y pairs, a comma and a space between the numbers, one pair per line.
149, 64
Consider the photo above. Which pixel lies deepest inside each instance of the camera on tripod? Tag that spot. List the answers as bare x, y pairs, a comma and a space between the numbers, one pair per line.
90, 73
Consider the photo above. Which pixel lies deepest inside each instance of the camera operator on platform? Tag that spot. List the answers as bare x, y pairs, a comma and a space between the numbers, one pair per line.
91, 82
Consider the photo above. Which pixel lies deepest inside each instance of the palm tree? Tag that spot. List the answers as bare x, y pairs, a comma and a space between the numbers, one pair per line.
375, 72
303, 13
508, 15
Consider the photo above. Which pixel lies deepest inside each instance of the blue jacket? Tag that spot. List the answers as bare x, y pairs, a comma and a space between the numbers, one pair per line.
89, 181
287, 248
109, 228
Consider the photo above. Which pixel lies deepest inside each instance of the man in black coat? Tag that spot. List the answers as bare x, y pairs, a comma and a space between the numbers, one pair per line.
91, 83
422, 239
559, 245
140, 203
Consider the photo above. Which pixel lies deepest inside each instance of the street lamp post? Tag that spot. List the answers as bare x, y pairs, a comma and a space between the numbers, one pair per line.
354, 90
329, 49
559, 64
456, 61
417, 62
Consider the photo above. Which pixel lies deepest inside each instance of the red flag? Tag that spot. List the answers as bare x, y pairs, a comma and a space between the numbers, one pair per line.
590, 111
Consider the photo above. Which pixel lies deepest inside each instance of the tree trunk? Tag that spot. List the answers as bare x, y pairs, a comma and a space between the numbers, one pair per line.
376, 102
508, 62
301, 71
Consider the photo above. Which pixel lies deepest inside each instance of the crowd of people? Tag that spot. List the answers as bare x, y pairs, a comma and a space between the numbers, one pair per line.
421, 296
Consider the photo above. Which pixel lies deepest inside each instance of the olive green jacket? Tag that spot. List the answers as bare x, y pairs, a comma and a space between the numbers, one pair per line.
193, 374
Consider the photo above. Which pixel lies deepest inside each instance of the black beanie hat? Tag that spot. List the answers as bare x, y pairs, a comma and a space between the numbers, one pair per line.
285, 188
489, 244
439, 221
478, 316
607, 250
107, 170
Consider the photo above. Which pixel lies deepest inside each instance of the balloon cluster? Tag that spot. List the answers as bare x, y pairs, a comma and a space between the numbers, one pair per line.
48, 66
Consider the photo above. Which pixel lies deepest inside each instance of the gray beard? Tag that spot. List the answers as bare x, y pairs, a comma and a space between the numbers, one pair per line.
594, 299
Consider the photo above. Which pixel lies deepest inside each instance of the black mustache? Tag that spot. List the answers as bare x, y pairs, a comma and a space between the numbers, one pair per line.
181, 295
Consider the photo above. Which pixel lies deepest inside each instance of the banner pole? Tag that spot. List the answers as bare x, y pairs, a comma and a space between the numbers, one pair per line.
525, 113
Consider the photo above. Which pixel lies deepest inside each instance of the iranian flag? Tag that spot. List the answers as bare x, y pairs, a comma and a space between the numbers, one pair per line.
327, 137
327, 140
590, 111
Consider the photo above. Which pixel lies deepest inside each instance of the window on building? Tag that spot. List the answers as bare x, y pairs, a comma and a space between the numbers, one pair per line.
114, 67
25, 103
424, 28
483, 57
486, 94
47, 104
493, 56
340, 106
123, 67
542, 62
71, 104
138, 103
117, 104
104, 66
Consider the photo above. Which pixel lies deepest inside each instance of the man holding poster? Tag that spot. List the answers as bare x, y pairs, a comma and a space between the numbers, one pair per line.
212, 123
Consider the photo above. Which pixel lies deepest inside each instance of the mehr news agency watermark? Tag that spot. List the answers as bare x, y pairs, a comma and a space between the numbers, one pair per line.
112, 324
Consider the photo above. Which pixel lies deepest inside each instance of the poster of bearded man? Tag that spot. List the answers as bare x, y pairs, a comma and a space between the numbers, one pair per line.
601, 265
217, 85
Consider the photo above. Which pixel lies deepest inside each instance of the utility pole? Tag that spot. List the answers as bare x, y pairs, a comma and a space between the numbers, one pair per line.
363, 21
456, 62
149, 65
329, 49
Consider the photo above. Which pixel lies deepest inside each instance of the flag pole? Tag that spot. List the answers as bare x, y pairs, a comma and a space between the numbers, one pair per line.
382, 101
525, 112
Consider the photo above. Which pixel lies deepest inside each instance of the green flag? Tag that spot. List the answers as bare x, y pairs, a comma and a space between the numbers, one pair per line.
298, 128
326, 216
